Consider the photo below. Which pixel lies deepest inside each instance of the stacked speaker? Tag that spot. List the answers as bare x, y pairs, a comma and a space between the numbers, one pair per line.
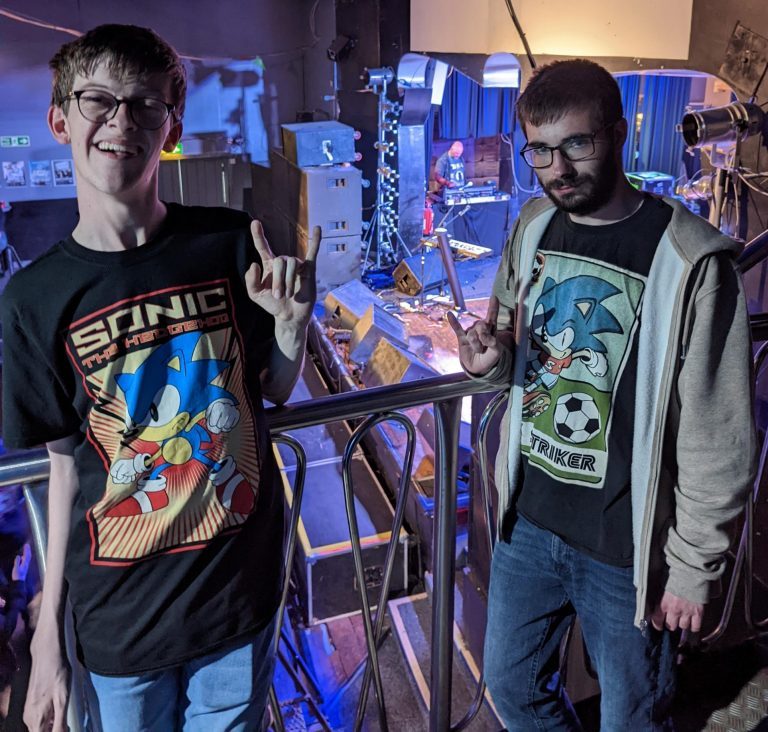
314, 184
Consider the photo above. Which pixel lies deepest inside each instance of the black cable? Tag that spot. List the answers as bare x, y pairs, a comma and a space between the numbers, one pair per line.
751, 194
519, 28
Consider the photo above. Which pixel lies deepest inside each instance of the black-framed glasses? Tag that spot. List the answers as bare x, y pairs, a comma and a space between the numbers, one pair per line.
100, 106
575, 148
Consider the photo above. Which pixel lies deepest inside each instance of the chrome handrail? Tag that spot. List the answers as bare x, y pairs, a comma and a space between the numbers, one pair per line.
445, 393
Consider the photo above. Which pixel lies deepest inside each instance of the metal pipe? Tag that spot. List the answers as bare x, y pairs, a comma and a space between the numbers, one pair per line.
447, 418
293, 528
370, 401
450, 268
394, 538
744, 556
482, 457
357, 556
22, 469
754, 252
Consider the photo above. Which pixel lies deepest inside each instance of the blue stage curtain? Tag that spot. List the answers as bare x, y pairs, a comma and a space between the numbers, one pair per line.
629, 86
468, 110
664, 102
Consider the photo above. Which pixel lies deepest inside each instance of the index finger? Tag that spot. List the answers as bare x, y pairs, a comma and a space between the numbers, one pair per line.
313, 246
260, 241
456, 326
493, 311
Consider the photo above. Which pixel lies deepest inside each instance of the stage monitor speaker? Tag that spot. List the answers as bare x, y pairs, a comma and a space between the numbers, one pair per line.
412, 275
318, 143
390, 364
375, 324
345, 305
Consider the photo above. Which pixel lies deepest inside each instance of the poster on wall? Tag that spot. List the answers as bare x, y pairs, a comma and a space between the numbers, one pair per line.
40, 173
63, 175
14, 173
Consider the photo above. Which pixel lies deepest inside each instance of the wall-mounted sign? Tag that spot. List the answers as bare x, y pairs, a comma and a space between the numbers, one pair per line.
14, 141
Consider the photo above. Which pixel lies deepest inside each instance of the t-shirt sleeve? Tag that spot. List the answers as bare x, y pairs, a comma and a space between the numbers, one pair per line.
441, 167
36, 405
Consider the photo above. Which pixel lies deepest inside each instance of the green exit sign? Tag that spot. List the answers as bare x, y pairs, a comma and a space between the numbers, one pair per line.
14, 141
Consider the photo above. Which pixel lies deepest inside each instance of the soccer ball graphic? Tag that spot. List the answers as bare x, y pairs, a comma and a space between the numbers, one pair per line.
576, 417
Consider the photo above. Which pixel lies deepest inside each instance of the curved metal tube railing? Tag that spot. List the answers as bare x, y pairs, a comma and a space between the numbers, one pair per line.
482, 460
743, 565
373, 629
445, 393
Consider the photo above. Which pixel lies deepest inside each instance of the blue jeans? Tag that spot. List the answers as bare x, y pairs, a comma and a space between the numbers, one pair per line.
224, 690
538, 585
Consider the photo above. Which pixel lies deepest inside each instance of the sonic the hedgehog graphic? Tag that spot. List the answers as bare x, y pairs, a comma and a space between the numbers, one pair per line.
566, 318
170, 401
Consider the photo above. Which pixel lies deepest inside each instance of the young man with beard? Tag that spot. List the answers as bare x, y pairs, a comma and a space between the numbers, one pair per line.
139, 349
619, 326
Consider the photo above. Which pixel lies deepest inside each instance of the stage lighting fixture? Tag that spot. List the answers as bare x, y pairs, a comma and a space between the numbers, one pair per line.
340, 48
722, 124
378, 77
696, 189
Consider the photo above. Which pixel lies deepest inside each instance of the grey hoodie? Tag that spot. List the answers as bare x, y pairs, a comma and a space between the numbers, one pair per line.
694, 449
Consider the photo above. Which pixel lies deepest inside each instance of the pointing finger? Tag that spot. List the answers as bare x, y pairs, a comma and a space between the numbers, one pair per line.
260, 241
313, 246
493, 312
453, 321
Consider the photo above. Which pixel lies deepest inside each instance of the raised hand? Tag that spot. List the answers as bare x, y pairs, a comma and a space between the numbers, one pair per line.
479, 346
283, 286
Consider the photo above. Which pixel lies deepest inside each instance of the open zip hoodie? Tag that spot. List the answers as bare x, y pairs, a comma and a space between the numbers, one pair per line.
694, 448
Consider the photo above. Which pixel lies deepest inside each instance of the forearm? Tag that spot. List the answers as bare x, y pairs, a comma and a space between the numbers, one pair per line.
62, 487
285, 361
716, 443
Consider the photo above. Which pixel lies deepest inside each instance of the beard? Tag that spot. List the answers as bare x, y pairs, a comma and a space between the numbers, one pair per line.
594, 190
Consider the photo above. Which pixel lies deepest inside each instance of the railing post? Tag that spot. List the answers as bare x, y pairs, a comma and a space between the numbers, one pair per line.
447, 418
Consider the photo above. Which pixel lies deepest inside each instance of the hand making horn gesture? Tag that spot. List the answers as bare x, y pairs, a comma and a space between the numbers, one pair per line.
283, 286
479, 346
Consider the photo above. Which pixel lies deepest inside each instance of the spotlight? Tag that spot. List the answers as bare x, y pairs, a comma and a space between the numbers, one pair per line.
378, 77
722, 124
699, 189
340, 48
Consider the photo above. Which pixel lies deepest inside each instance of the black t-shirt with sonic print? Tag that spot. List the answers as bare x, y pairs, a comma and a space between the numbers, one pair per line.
579, 391
151, 357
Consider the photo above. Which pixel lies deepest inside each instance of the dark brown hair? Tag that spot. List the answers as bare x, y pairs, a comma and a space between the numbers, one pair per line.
567, 86
126, 49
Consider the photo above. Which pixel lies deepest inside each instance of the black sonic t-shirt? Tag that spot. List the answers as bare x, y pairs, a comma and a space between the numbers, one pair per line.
151, 357
579, 391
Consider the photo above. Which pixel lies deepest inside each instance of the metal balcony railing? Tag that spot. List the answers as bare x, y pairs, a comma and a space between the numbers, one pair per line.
378, 404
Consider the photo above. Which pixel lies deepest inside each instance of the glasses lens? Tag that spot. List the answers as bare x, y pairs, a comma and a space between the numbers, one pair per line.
538, 157
149, 113
96, 106
578, 148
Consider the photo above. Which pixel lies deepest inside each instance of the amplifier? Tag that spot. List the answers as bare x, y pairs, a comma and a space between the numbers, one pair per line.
318, 143
329, 197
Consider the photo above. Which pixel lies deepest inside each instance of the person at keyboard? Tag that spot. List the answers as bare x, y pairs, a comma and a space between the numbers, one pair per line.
449, 169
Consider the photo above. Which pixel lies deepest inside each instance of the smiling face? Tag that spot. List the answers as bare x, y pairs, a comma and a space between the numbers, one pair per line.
582, 187
116, 158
